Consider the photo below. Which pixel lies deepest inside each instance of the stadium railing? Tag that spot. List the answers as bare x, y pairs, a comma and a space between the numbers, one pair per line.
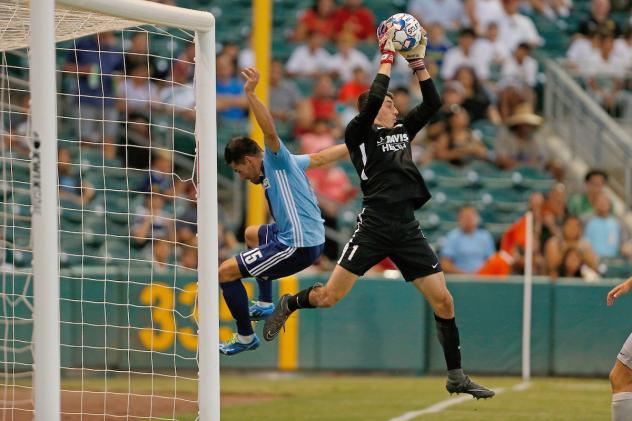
589, 132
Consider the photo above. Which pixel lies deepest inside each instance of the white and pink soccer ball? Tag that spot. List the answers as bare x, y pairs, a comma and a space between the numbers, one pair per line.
408, 31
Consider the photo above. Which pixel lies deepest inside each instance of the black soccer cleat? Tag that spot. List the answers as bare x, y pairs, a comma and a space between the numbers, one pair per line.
468, 386
276, 321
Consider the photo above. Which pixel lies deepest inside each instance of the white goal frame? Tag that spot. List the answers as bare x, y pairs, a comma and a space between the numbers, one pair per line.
46, 333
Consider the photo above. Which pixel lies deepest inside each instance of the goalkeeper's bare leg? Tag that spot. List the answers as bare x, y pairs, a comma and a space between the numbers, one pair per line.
621, 374
434, 289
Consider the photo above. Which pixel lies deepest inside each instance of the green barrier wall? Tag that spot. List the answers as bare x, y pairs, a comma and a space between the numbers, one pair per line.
381, 325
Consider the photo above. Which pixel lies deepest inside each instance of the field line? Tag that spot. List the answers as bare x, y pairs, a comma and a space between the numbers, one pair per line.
440, 406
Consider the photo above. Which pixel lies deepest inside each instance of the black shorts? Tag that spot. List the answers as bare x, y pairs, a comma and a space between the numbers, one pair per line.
380, 235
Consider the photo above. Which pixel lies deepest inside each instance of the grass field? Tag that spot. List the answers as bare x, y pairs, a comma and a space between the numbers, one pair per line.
273, 397
383, 398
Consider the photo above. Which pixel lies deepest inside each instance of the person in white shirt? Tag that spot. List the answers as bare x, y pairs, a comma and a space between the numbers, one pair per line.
310, 59
449, 13
348, 58
605, 72
464, 55
515, 28
521, 66
482, 12
490, 48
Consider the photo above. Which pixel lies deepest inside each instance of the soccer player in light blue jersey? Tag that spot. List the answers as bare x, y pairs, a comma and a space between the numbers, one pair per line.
621, 374
297, 237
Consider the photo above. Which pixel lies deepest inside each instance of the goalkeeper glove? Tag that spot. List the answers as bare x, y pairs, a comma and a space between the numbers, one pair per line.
415, 56
385, 41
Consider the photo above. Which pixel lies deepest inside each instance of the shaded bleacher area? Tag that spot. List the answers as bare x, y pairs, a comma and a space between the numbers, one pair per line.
467, 155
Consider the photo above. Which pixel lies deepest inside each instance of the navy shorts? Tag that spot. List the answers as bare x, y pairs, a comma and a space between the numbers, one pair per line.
273, 259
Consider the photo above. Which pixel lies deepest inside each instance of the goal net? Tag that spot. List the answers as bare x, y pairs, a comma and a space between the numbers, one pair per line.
128, 185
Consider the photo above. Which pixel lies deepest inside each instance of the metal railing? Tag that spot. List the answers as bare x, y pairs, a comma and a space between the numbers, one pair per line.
590, 133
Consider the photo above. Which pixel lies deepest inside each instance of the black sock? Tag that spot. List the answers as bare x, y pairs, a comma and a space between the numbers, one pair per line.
265, 290
448, 335
237, 301
300, 300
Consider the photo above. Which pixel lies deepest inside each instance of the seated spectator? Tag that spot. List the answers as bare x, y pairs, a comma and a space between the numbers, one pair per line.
582, 204
285, 99
517, 143
574, 265
603, 231
231, 101
95, 96
556, 247
599, 19
476, 99
227, 242
323, 99
186, 225
318, 18
450, 14
605, 72
349, 93
15, 132
163, 254
151, 221
348, 58
333, 190
459, 145
160, 173
438, 45
582, 47
177, 96
453, 94
512, 94
553, 213
353, 17
521, 66
319, 137
309, 59
552, 9
467, 247
71, 186
490, 46
482, 12
189, 257
137, 94
137, 54
464, 55
515, 28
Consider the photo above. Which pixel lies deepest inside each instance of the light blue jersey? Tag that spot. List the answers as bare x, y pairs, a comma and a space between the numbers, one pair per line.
291, 199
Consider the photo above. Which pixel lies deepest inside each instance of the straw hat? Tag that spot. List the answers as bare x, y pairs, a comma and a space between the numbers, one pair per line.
524, 115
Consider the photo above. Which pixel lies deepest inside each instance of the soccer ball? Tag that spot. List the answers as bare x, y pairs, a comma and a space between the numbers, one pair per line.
408, 31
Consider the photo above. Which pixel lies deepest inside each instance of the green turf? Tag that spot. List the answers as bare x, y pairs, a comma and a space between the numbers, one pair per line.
348, 398
382, 398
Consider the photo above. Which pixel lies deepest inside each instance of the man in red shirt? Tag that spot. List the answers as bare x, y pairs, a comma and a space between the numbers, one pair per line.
352, 16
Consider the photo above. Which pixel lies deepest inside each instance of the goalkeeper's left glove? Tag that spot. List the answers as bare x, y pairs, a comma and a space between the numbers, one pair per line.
415, 56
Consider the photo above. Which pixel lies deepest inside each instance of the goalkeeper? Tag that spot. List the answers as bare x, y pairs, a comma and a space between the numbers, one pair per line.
286, 247
379, 145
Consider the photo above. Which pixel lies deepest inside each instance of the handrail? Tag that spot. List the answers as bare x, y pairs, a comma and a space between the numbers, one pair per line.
590, 133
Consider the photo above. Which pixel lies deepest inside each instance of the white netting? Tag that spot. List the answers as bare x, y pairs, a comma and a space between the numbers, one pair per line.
127, 220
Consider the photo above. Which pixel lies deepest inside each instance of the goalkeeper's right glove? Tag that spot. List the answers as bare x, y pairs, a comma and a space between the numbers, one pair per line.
415, 56
385, 41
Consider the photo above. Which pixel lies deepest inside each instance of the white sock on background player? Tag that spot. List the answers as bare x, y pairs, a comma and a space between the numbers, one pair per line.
622, 406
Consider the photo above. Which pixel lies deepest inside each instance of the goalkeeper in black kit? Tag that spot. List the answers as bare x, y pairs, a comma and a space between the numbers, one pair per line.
393, 188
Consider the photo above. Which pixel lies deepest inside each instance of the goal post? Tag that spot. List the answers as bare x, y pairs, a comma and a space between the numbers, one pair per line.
44, 190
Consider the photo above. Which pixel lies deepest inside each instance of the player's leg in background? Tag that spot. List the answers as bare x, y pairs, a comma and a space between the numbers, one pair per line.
236, 299
621, 381
434, 288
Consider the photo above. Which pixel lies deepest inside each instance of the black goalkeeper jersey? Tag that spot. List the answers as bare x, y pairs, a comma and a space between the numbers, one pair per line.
382, 156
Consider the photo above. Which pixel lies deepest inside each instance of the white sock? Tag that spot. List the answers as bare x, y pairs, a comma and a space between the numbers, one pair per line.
245, 339
622, 406
264, 304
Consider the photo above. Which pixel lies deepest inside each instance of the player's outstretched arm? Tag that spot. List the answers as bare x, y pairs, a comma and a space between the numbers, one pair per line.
621, 289
262, 115
327, 156
418, 117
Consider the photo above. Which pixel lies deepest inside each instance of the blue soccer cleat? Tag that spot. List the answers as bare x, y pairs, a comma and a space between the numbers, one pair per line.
233, 346
258, 312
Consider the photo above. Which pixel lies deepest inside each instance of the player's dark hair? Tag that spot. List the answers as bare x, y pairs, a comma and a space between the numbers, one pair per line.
238, 148
363, 99
595, 171
467, 32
